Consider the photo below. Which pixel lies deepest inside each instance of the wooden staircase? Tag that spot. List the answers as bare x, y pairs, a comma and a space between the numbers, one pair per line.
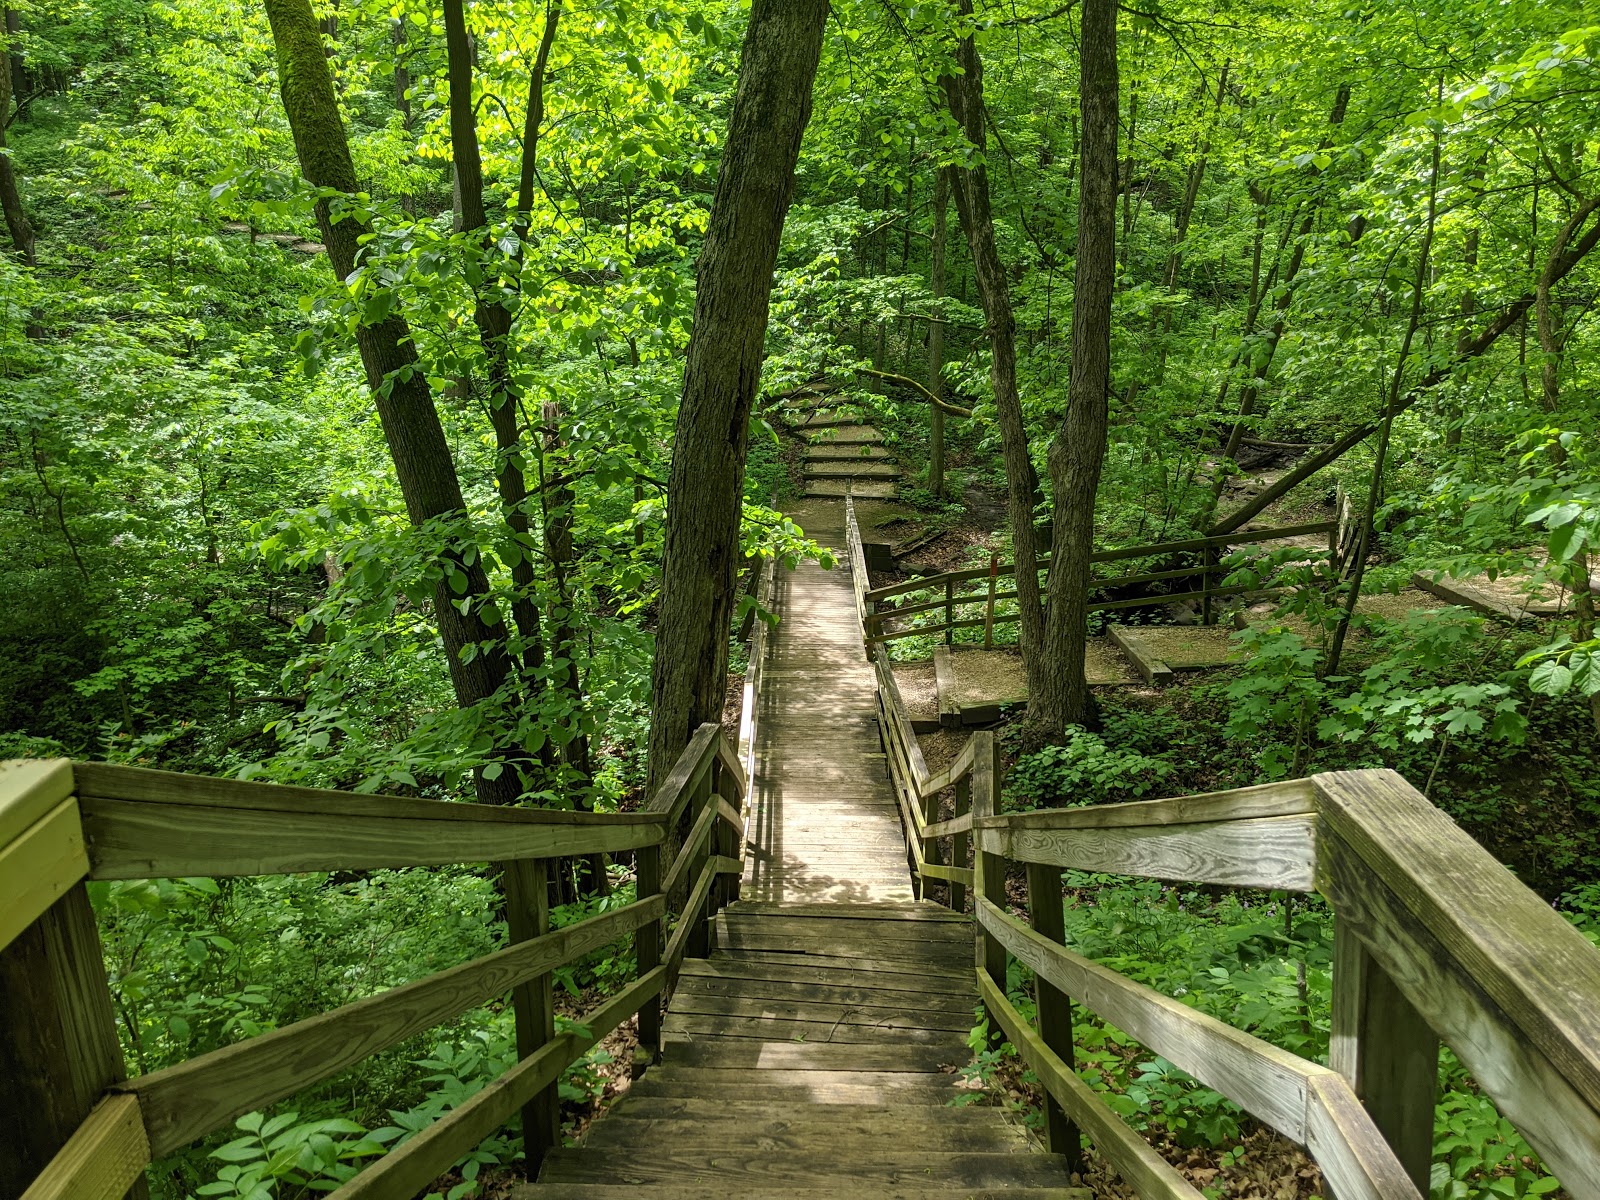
813, 1053
845, 455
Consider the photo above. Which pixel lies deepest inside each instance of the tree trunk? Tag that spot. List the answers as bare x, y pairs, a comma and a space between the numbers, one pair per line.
964, 94
941, 204
399, 386
1079, 445
10, 193
705, 489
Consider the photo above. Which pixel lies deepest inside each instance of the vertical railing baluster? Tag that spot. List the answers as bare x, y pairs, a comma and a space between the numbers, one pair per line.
527, 888
698, 943
1055, 1007
647, 946
1386, 1050
989, 870
959, 842
726, 839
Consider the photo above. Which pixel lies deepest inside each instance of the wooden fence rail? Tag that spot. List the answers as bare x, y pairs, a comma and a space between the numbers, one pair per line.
1435, 942
877, 614
77, 1128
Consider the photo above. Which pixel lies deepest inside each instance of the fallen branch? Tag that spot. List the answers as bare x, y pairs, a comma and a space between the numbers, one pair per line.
907, 381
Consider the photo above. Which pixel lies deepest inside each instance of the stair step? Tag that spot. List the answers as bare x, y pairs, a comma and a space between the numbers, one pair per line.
850, 468
921, 1190
760, 1056
845, 1134
932, 1117
834, 489
649, 1163
846, 435
848, 452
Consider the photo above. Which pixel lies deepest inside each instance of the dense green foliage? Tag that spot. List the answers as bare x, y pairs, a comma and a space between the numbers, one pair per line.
210, 568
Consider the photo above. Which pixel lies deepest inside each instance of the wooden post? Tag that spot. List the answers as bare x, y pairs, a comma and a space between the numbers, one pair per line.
527, 887
725, 841
1387, 1051
989, 870
988, 615
1055, 1008
698, 943
958, 842
647, 946
949, 611
58, 1038
933, 848
1207, 617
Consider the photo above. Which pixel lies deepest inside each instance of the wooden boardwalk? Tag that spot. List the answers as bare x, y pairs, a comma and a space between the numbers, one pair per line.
815, 1051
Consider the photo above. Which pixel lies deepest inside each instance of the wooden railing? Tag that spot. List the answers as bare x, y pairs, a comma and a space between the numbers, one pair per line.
884, 623
87, 1132
1434, 939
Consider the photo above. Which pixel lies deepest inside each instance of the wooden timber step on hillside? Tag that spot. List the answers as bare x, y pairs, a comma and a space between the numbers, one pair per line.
814, 1053
845, 456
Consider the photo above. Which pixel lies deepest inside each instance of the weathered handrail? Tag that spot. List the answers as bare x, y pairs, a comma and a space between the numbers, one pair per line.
875, 619
1434, 941
64, 824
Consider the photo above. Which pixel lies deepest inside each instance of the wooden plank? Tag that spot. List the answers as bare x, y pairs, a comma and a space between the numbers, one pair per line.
941, 829
527, 892
718, 1112
831, 972
1540, 971
988, 870
1355, 1160
1258, 852
688, 921
910, 910
58, 1039
38, 867
29, 789
1292, 797
1045, 903
807, 991
1151, 1177
832, 1014
686, 773
1268, 1082
1386, 1051
647, 948
103, 1159
169, 836
769, 1029
801, 929
188, 1101
732, 1174
897, 1191
410, 1168
944, 674
842, 1140
960, 875
1529, 1090
1152, 668
699, 833
809, 1056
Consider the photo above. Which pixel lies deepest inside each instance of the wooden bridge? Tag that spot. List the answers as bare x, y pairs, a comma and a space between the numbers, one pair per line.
801, 997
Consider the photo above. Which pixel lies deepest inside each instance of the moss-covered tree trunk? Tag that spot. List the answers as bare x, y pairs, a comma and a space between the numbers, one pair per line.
411, 426
1061, 695
964, 95
705, 489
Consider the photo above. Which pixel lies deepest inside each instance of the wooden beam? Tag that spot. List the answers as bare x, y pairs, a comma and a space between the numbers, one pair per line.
409, 1169
1045, 905
1290, 798
1540, 971
38, 867
1146, 1172
29, 789
1262, 852
58, 1039
104, 1158
686, 774
1528, 1088
190, 1100
1387, 1052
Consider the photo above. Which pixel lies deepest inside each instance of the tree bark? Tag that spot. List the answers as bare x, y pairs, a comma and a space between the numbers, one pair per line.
964, 94
936, 285
411, 426
1078, 448
10, 192
705, 488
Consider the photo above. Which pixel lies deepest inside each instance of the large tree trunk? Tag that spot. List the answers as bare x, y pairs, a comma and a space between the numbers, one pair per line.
399, 386
705, 490
10, 193
1076, 452
941, 204
964, 93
